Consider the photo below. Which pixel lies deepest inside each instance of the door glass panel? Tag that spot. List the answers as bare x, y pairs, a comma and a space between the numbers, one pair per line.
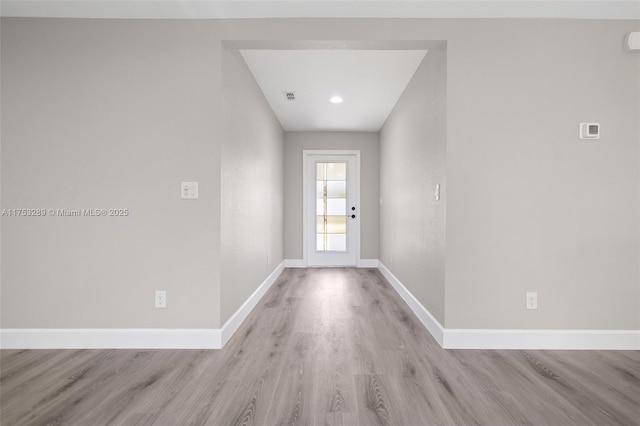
337, 242
331, 206
336, 224
331, 224
337, 206
337, 189
337, 171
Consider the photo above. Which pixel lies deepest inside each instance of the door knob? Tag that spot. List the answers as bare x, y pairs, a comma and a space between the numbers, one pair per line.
353, 216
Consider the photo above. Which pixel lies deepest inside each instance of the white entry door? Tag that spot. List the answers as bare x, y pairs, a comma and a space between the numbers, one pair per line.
332, 216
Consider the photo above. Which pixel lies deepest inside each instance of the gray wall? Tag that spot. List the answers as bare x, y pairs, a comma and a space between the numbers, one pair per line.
109, 114
369, 146
531, 207
413, 160
251, 218
116, 114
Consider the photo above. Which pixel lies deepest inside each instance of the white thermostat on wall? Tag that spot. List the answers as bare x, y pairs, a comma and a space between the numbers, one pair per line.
589, 131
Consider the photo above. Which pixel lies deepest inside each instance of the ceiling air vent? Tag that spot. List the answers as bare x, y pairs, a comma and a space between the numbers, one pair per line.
290, 96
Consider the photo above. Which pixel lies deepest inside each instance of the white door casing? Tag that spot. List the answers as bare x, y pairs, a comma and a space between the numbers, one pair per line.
331, 208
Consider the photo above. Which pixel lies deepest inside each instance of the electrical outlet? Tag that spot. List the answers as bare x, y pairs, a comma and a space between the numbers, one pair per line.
161, 299
532, 300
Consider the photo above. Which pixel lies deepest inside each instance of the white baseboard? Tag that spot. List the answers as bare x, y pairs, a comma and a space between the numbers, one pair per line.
135, 338
423, 314
515, 338
295, 263
110, 338
626, 340
243, 312
368, 263
300, 263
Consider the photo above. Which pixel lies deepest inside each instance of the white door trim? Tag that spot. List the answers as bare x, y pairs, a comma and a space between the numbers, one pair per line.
305, 197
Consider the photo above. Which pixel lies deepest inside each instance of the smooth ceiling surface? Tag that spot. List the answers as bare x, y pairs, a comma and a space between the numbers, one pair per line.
221, 9
369, 81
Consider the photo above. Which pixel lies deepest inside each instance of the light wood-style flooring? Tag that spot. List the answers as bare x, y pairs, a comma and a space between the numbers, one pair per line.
323, 347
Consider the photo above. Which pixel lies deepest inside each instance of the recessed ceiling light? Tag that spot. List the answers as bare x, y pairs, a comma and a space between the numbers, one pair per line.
336, 100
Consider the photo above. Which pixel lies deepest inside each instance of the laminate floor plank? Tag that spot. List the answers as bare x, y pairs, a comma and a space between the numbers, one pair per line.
112, 392
335, 392
325, 346
147, 407
292, 400
501, 376
74, 378
128, 390
613, 405
40, 365
59, 397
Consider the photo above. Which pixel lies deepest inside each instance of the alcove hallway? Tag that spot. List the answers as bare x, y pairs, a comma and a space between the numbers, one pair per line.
330, 346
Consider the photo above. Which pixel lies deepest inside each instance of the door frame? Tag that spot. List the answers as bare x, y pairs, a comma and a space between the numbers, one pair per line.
305, 199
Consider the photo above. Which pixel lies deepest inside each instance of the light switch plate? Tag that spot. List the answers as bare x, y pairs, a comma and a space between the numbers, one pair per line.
189, 190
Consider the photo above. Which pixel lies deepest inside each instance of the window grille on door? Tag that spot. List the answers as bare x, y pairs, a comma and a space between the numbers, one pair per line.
331, 207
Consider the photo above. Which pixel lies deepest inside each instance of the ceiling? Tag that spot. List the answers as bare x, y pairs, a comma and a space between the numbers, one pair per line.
369, 81
209, 9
